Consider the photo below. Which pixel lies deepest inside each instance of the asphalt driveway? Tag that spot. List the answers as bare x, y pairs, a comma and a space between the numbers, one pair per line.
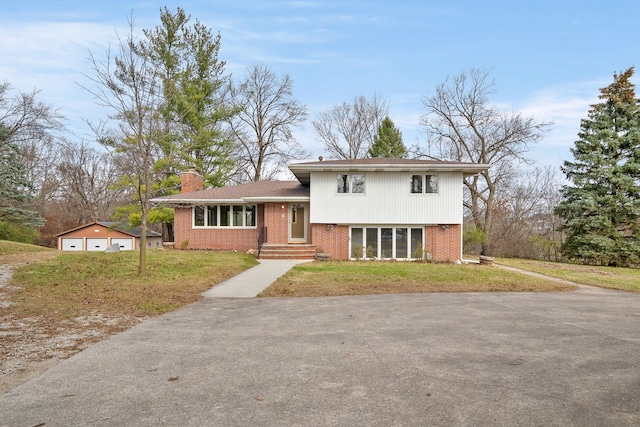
552, 359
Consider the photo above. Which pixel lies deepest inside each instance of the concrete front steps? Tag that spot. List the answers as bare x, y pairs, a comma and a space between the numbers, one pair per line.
291, 251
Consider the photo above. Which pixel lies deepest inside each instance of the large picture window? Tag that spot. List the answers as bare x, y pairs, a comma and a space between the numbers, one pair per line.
224, 216
386, 243
350, 184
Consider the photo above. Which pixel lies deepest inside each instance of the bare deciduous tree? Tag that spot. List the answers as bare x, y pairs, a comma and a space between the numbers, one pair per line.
88, 178
40, 158
349, 129
26, 119
262, 127
27, 130
525, 225
128, 85
463, 126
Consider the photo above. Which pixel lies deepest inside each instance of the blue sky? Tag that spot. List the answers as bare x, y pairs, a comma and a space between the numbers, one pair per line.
548, 58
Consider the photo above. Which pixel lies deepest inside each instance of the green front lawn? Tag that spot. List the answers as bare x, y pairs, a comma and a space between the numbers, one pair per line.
627, 279
360, 278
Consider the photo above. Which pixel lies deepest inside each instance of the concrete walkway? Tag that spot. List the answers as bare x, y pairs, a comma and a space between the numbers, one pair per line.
580, 286
250, 283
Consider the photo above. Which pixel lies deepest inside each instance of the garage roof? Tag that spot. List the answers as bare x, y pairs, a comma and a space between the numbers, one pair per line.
121, 227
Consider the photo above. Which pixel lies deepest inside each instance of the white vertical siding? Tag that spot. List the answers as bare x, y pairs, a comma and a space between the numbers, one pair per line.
387, 200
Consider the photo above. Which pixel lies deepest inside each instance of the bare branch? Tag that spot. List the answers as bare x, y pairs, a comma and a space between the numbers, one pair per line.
462, 126
263, 126
349, 129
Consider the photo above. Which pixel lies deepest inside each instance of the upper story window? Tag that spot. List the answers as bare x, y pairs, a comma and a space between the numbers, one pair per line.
224, 216
424, 184
353, 183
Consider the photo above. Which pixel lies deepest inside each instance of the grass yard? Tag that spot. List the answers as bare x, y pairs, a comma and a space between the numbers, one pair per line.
336, 278
626, 279
79, 284
10, 248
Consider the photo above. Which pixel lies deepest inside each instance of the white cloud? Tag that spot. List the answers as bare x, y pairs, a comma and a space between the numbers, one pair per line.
564, 106
52, 57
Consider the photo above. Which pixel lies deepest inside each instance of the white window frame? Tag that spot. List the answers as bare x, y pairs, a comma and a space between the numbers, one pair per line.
424, 183
350, 183
218, 213
394, 229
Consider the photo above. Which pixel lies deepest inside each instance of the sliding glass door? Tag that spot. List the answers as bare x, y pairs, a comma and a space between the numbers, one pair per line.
386, 242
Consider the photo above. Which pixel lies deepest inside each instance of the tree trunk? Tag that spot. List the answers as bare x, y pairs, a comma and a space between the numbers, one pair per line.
488, 220
142, 266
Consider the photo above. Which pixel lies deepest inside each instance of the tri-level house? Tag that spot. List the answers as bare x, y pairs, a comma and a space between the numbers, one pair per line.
376, 208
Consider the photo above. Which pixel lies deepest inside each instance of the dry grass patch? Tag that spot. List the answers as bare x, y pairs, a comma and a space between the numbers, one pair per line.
23, 253
361, 278
626, 279
82, 284
9, 248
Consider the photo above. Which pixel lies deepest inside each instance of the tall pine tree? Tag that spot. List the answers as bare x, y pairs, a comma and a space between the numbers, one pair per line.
16, 221
388, 141
601, 209
194, 82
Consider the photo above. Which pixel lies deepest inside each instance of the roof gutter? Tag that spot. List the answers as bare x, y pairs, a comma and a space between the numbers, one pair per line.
303, 172
261, 199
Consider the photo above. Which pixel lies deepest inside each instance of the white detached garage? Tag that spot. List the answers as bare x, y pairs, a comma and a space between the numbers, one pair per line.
98, 236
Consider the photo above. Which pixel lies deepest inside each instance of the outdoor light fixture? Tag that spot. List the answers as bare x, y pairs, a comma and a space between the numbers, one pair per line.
445, 227
329, 227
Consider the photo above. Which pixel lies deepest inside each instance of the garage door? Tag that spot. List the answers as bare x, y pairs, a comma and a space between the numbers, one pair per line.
69, 244
125, 244
95, 244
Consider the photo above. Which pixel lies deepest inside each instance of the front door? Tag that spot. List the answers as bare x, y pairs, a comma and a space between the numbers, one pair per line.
297, 223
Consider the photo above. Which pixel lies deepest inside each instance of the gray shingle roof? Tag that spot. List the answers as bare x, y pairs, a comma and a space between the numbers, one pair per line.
252, 191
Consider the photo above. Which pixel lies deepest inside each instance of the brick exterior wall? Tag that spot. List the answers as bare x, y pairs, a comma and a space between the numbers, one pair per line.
228, 238
274, 216
334, 241
444, 245
276, 219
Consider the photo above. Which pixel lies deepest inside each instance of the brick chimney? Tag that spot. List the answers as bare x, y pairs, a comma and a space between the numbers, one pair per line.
191, 181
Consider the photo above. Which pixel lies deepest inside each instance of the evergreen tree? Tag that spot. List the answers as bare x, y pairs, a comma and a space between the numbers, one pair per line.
190, 113
193, 80
388, 141
601, 209
14, 192
23, 120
